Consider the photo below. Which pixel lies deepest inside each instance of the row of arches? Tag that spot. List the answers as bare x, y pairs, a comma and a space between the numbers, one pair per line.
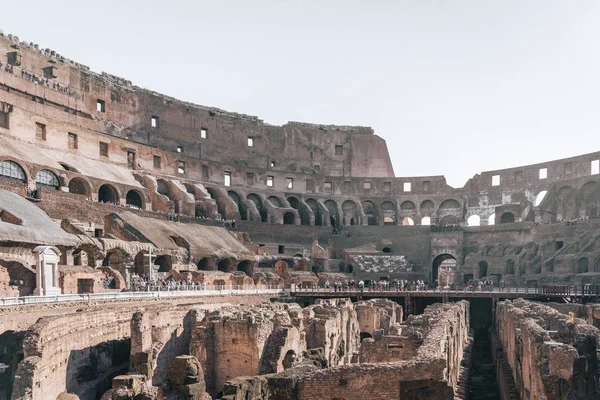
505, 217
45, 178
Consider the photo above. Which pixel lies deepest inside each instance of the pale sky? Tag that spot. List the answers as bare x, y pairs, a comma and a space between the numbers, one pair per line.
454, 87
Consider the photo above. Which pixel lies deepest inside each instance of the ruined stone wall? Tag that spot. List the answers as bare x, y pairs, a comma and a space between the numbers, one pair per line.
272, 338
551, 356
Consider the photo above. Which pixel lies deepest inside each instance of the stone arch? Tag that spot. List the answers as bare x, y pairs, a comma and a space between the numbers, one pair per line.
507, 217
449, 220
140, 263
301, 208
474, 220
259, 206
449, 204
426, 221
371, 212
289, 359
427, 207
597, 265
162, 187
365, 335
164, 262
350, 212
407, 221
492, 219
276, 201
115, 258
592, 201
81, 186
47, 178
334, 218
240, 204
583, 265
408, 205
205, 264
314, 206
225, 265
437, 262
510, 267
134, 199
246, 267
289, 218
13, 171
388, 209
568, 202
108, 194
386, 249
482, 269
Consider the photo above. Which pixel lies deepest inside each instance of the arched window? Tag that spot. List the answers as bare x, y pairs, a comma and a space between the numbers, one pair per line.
12, 170
540, 197
289, 218
426, 221
407, 221
133, 199
78, 186
107, 194
48, 179
507, 217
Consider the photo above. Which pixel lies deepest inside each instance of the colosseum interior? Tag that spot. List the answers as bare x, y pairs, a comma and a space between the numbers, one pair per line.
151, 248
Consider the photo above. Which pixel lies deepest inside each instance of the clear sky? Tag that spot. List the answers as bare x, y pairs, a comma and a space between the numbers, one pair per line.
454, 87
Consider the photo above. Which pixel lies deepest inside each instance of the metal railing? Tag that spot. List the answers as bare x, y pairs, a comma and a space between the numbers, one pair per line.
89, 297
549, 290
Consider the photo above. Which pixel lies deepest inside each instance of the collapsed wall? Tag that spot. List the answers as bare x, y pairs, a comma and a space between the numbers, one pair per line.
552, 355
432, 370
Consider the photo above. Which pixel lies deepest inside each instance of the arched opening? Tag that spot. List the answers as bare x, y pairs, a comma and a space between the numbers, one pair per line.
482, 268
474, 220
349, 209
333, 213
443, 268
294, 203
79, 186
449, 204
386, 250
388, 209
349, 269
289, 359
365, 335
449, 220
370, 212
164, 262
582, 265
107, 194
597, 265
48, 179
510, 267
140, 263
275, 201
246, 267
204, 264
134, 200
258, 202
314, 206
289, 218
507, 217
540, 197
426, 207
407, 221
426, 221
115, 259
162, 187
225, 265
12, 170
492, 219
407, 206
240, 205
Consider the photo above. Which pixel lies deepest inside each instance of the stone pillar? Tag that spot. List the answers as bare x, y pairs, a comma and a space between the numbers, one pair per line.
47, 280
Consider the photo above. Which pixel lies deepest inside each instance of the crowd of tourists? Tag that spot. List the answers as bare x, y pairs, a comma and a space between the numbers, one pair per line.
373, 286
143, 284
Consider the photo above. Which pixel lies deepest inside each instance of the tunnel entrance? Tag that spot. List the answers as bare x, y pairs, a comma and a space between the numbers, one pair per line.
483, 377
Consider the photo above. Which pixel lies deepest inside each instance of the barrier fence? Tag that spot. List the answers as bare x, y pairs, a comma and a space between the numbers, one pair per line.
551, 290
64, 298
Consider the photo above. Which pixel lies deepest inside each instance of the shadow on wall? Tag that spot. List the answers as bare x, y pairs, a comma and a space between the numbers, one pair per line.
178, 344
90, 371
11, 353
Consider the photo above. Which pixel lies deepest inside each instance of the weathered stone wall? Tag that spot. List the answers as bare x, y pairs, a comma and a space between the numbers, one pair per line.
550, 354
79, 351
272, 338
433, 371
